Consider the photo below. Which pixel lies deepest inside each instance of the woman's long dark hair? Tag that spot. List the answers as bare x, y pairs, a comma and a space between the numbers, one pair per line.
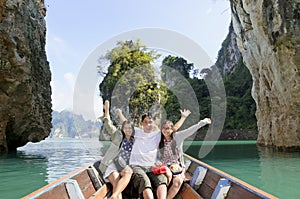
162, 139
123, 134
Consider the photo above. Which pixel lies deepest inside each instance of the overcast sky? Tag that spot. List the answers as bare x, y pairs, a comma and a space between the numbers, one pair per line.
75, 29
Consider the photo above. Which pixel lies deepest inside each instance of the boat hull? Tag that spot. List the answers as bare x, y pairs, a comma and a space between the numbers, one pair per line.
202, 181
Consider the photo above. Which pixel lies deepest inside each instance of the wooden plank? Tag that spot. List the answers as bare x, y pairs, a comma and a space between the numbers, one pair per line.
237, 192
209, 184
205, 191
211, 179
192, 168
55, 185
85, 183
53, 193
187, 192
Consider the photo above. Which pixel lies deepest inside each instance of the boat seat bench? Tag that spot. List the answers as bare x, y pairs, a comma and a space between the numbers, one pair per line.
207, 183
213, 184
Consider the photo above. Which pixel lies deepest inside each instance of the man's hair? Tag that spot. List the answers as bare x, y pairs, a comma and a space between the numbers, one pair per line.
146, 115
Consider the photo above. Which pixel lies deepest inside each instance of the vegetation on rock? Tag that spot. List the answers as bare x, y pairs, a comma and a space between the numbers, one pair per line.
129, 55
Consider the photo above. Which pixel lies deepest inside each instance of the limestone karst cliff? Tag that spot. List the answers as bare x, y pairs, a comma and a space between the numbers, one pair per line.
268, 36
25, 92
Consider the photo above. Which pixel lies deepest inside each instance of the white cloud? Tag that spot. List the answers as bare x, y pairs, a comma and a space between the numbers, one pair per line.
62, 92
208, 11
70, 80
56, 50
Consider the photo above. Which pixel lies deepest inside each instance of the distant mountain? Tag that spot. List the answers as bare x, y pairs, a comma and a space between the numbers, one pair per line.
68, 124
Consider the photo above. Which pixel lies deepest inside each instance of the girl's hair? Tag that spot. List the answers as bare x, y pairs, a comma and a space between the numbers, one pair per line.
162, 143
123, 134
132, 126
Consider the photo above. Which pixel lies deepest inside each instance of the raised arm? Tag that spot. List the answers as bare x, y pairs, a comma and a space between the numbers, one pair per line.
106, 109
119, 113
108, 125
193, 129
184, 114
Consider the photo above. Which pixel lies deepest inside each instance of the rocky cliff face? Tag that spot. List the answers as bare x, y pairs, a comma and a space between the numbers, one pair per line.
268, 35
25, 92
229, 55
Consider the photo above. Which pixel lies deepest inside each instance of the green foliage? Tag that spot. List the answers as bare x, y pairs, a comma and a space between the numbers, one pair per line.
131, 77
240, 104
202, 93
176, 72
126, 56
172, 106
131, 67
178, 64
145, 97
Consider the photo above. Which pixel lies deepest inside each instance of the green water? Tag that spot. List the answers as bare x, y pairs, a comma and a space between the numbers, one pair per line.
35, 165
21, 175
275, 172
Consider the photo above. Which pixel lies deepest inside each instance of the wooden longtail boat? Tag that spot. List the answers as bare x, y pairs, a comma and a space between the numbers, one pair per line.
203, 181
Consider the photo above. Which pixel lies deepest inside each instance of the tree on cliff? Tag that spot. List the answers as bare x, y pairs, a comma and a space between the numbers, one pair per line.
131, 78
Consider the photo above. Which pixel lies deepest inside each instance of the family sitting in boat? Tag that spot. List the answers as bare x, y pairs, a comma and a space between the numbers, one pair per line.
149, 159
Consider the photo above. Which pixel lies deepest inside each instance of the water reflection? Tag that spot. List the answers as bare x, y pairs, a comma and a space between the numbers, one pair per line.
280, 171
62, 155
275, 172
239, 159
20, 176
225, 150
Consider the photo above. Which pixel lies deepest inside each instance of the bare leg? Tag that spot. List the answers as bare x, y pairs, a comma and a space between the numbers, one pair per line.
121, 184
169, 176
114, 178
101, 193
161, 191
147, 194
176, 184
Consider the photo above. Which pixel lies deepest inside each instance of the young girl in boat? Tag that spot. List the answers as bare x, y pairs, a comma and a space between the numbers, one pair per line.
121, 146
171, 152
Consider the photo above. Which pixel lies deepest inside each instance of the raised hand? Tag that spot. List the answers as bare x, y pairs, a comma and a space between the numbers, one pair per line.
118, 111
120, 115
185, 113
106, 109
207, 120
106, 105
